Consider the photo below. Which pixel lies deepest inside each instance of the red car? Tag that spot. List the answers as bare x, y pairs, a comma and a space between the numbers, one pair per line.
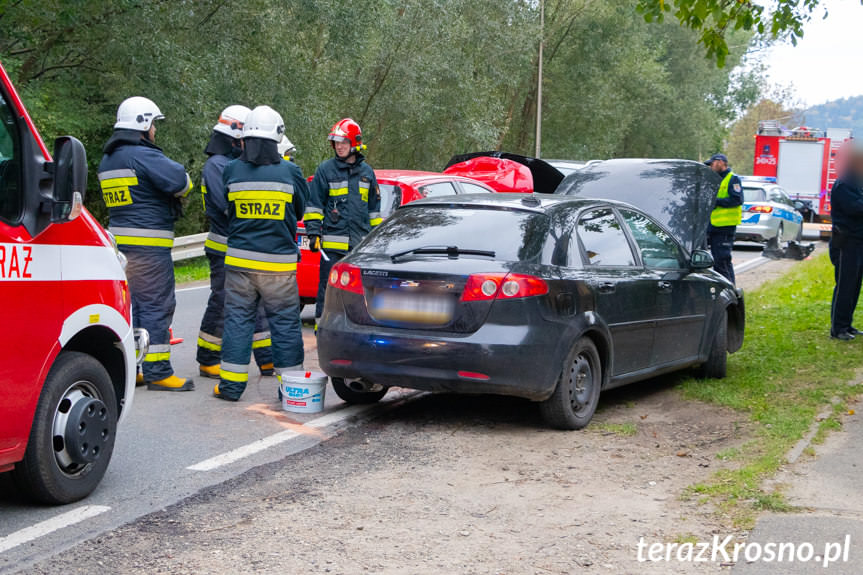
397, 187
506, 172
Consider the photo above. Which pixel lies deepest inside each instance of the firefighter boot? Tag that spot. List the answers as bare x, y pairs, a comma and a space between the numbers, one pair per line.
267, 369
172, 383
211, 371
218, 394
139, 379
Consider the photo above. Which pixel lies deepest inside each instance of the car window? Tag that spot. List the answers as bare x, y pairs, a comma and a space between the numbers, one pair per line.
10, 177
658, 249
603, 240
391, 198
468, 188
437, 189
754, 195
513, 235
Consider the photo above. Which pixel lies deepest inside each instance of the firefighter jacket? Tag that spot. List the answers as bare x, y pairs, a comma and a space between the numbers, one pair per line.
264, 204
344, 204
142, 189
215, 202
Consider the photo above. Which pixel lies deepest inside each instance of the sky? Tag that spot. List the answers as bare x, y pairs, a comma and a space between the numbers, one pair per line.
826, 63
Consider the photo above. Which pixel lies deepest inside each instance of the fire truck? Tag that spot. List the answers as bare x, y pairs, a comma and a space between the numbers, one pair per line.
67, 348
804, 161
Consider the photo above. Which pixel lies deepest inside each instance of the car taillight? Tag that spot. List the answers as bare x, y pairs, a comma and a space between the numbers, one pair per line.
484, 287
761, 209
346, 277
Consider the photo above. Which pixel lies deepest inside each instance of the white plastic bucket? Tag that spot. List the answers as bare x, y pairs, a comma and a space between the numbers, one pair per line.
302, 391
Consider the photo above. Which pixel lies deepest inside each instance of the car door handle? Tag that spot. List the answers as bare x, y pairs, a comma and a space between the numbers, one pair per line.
606, 287
664, 285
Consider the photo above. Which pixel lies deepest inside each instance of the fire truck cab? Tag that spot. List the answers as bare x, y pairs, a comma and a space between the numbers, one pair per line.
804, 161
67, 347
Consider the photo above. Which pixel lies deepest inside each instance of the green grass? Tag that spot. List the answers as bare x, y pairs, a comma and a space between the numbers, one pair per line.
627, 429
191, 270
787, 372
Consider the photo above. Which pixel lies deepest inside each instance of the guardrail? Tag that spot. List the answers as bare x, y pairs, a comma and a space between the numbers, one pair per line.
187, 247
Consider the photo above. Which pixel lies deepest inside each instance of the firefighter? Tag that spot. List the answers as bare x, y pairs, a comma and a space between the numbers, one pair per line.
225, 145
143, 189
287, 150
344, 202
846, 244
266, 198
726, 216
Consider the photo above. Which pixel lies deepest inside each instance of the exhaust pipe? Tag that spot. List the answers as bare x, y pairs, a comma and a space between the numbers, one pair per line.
364, 386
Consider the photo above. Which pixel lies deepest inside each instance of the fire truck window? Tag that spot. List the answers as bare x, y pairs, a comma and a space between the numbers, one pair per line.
10, 186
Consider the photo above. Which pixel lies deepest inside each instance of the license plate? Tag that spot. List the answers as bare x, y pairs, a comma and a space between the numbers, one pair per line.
304, 242
391, 305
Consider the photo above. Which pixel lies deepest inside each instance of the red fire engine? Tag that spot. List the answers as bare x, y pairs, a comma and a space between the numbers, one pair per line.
67, 347
804, 161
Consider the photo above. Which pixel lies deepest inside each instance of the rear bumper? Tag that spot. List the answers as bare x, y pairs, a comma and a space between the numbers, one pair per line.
504, 359
766, 229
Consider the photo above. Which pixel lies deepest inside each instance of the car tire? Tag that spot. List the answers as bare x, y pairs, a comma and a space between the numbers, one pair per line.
65, 460
355, 397
569, 406
717, 362
779, 233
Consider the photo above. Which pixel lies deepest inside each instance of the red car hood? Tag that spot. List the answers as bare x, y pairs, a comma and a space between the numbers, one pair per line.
506, 172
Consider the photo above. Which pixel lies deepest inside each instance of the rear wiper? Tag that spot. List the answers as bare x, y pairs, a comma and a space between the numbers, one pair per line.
449, 251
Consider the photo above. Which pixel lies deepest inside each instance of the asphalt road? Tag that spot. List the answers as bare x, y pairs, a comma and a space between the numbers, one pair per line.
174, 444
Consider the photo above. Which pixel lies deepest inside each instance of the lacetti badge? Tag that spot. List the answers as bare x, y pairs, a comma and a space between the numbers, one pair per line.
376, 273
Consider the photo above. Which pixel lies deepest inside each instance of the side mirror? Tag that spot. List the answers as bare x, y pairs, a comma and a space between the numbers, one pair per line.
70, 179
701, 260
799, 206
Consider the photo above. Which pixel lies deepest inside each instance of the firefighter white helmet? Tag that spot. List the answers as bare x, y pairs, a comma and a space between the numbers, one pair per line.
264, 122
286, 147
231, 121
137, 113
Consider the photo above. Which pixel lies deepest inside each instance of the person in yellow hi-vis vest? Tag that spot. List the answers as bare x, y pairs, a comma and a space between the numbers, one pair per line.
726, 216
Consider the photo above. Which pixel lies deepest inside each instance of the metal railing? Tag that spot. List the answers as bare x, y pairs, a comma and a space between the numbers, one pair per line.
187, 247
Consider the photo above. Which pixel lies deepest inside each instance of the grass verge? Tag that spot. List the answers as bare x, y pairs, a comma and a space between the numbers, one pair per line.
787, 371
191, 270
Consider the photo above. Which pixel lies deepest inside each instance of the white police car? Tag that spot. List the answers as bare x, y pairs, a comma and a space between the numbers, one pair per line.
768, 213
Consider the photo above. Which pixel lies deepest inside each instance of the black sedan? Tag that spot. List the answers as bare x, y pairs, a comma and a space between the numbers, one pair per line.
547, 297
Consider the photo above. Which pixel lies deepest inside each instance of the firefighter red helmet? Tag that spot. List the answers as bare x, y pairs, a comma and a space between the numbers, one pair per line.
348, 130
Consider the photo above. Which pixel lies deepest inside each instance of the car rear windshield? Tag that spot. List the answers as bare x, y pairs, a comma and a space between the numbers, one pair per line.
513, 235
754, 195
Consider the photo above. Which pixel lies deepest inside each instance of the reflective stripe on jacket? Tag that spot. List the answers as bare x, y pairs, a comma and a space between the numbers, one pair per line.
264, 204
215, 203
344, 203
721, 217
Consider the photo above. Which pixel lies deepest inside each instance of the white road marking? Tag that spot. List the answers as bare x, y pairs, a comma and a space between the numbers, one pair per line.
278, 438
193, 288
50, 525
748, 265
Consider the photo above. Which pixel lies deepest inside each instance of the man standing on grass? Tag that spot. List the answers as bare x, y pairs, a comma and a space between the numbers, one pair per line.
846, 244
726, 216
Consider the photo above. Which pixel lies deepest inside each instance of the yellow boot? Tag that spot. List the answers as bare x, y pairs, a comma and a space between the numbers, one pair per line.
218, 394
172, 383
267, 369
211, 371
139, 380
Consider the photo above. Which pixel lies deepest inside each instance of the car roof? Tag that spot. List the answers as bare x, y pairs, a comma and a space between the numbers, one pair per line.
540, 203
418, 177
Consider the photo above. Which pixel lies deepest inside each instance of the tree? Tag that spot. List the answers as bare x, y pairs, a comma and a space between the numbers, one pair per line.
713, 20
740, 147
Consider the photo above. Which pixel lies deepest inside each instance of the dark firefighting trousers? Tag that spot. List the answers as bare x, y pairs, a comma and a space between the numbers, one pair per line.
150, 273
846, 253
323, 278
212, 324
280, 298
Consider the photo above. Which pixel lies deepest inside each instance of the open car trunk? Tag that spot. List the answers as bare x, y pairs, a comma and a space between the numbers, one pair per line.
506, 172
